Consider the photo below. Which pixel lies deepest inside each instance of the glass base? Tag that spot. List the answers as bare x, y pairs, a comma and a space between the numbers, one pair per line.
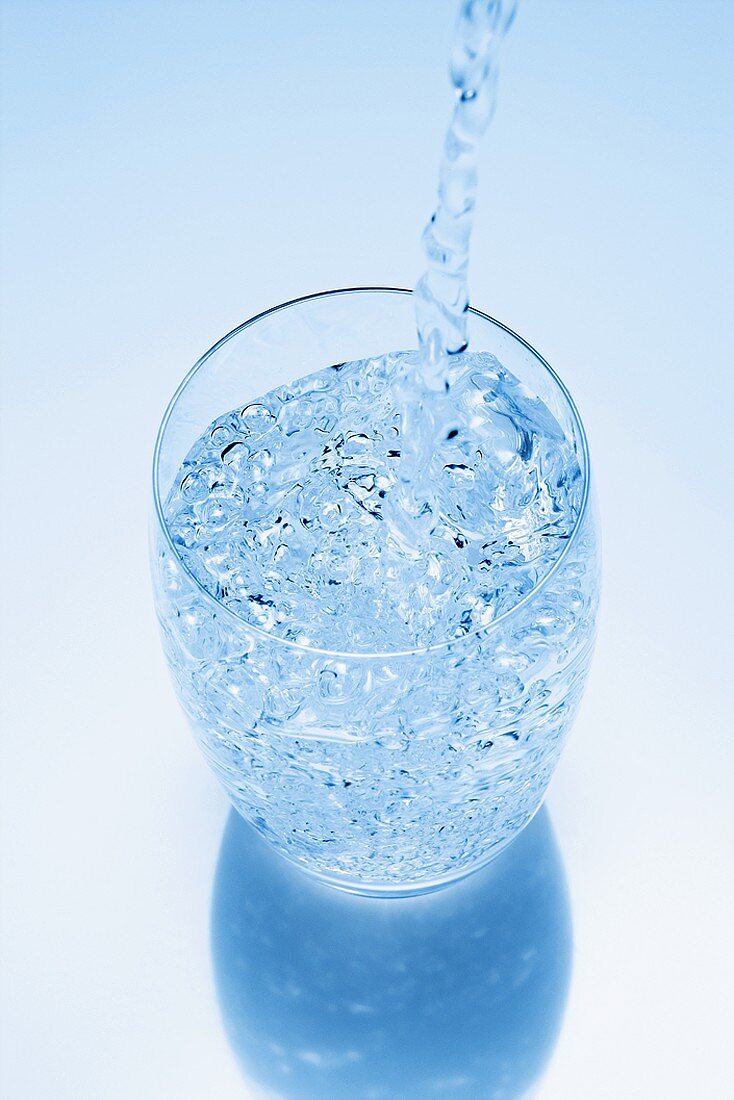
399, 890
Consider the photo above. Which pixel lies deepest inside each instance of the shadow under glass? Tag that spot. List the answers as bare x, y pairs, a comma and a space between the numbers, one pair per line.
459, 993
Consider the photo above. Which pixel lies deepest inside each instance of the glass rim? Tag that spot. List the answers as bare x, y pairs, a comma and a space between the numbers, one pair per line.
447, 643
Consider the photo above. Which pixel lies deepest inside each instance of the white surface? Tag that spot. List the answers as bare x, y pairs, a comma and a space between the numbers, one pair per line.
173, 168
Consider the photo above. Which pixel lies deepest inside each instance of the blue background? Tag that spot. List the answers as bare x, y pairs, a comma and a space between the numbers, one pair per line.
170, 169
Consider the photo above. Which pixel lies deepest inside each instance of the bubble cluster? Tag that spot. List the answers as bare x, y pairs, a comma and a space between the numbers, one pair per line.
334, 512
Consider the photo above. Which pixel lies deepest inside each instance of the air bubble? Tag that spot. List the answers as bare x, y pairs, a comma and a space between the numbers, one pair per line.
257, 418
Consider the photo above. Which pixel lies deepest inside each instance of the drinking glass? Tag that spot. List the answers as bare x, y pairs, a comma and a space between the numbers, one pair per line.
382, 773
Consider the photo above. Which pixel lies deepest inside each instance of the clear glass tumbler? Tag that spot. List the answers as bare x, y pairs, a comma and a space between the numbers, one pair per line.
382, 773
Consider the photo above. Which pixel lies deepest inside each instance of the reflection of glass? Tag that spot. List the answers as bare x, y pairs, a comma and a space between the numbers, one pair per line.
388, 772
459, 993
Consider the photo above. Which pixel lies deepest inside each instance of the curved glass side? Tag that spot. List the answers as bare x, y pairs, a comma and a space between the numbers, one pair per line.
381, 773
